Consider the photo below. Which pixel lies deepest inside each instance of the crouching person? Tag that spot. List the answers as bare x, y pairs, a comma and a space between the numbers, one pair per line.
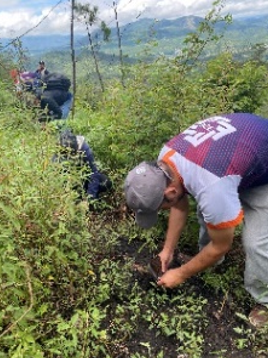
222, 163
56, 92
76, 151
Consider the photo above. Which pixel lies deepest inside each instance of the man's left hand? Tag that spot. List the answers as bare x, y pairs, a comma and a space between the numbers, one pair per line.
171, 278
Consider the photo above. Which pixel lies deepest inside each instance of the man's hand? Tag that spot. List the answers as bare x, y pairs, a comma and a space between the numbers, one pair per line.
171, 278
174, 277
221, 242
166, 257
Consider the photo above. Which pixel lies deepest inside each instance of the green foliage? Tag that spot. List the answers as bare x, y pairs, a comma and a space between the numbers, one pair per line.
186, 324
66, 288
151, 108
236, 87
197, 41
248, 337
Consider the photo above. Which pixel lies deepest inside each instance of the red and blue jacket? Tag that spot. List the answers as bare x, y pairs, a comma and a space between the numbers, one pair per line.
216, 159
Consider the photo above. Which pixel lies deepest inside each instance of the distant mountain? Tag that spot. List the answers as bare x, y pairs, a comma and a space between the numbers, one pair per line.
146, 29
168, 33
41, 44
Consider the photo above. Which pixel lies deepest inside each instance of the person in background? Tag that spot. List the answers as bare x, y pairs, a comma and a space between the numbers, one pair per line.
26, 87
15, 75
41, 71
27, 80
54, 95
75, 150
222, 163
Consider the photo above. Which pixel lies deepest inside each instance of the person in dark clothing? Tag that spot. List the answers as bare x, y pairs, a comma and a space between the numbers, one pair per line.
41, 71
75, 150
52, 100
55, 93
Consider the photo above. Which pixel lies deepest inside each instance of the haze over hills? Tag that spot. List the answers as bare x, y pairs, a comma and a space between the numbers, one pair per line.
169, 35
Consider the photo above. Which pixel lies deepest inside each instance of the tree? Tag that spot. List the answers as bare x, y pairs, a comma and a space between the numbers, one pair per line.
89, 16
73, 57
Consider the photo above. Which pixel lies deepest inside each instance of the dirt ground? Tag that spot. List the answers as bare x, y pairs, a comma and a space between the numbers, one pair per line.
220, 338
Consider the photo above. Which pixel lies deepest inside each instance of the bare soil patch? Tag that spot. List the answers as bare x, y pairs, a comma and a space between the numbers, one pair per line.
220, 337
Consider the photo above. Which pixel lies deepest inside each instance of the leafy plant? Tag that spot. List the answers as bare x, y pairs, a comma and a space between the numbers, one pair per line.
69, 285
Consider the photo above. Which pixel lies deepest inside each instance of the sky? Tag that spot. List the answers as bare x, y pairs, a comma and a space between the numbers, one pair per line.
38, 17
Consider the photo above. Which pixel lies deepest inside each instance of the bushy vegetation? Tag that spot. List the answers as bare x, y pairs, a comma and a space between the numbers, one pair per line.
68, 289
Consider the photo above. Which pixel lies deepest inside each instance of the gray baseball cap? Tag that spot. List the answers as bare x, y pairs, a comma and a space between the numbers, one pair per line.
144, 191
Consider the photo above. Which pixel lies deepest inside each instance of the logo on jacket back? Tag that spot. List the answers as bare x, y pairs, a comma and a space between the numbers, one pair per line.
213, 128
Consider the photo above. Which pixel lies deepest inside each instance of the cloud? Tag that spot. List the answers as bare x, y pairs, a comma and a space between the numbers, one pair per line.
129, 10
15, 21
4, 4
35, 19
155, 9
20, 16
247, 7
